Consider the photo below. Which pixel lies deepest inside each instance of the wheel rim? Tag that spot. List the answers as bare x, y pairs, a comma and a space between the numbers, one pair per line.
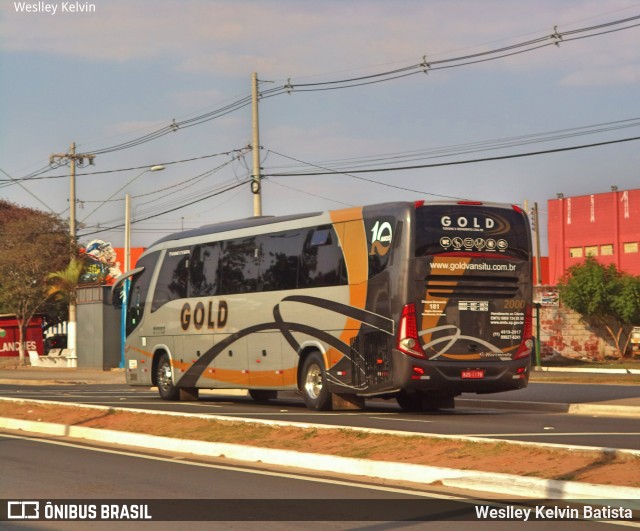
313, 382
164, 376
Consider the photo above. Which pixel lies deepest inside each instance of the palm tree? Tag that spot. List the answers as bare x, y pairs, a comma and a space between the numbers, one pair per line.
63, 287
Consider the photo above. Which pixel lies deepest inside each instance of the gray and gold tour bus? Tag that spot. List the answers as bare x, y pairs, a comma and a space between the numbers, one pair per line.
414, 301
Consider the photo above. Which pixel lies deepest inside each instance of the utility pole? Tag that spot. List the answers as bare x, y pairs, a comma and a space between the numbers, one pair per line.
73, 158
256, 184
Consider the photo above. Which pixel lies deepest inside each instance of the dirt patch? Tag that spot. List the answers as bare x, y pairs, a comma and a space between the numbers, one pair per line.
592, 467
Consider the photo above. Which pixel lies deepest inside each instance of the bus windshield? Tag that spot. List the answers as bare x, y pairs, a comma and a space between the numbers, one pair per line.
462, 228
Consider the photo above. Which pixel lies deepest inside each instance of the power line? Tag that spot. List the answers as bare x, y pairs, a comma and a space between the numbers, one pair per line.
102, 172
382, 159
121, 225
334, 172
425, 66
441, 164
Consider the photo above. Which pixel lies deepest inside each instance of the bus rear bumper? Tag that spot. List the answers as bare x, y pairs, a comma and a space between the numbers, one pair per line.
455, 377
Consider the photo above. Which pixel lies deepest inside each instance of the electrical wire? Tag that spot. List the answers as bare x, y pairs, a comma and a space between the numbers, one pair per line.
179, 207
556, 38
425, 66
454, 163
102, 172
472, 147
333, 172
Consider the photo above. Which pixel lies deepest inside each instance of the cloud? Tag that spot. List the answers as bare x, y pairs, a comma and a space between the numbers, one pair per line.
297, 39
309, 41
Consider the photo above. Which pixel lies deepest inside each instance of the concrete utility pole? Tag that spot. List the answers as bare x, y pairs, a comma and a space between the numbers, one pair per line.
256, 183
72, 157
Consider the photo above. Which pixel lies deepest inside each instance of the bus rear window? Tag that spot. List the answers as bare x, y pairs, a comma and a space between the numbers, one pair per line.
471, 229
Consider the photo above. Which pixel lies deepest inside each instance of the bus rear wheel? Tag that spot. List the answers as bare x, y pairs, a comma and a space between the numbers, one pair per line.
167, 390
409, 401
314, 383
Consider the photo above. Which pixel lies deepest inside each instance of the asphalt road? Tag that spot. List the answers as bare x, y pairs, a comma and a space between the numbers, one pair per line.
526, 425
42, 469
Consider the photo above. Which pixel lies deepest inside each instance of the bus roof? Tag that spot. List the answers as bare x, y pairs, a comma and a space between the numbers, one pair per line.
233, 225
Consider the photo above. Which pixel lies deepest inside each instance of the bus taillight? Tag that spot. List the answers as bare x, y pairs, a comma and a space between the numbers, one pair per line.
527, 340
408, 340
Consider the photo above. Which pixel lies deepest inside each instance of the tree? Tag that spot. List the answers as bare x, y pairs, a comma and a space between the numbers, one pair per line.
34, 244
63, 288
604, 297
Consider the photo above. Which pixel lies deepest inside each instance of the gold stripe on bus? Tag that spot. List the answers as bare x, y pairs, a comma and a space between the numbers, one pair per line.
269, 378
349, 227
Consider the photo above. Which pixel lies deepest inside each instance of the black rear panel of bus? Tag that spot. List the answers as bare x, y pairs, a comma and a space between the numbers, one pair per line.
473, 281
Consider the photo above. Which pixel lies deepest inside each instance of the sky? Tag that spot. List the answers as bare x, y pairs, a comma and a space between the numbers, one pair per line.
120, 70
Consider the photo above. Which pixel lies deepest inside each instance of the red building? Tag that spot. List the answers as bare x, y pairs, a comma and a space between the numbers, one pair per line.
10, 336
606, 226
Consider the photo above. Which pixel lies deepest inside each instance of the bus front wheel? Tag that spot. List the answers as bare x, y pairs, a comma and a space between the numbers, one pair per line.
167, 390
314, 383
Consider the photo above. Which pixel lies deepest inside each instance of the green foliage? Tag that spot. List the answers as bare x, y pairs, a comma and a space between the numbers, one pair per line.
63, 283
603, 296
34, 244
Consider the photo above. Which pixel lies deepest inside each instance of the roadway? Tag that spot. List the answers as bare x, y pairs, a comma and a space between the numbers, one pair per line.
188, 488
532, 421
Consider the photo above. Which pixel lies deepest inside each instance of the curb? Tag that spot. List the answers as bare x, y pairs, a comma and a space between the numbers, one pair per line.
308, 425
586, 370
553, 407
468, 479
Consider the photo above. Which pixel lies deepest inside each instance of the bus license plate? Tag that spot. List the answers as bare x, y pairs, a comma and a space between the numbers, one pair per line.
473, 375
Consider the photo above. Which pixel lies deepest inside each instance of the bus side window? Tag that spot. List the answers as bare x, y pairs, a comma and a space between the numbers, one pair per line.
280, 260
173, 278
322, 262
204, 270
239, 264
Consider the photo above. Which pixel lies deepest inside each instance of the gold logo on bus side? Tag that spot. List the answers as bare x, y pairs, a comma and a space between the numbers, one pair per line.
204, 314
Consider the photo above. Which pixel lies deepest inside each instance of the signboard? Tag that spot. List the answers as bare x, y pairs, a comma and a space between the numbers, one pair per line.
10, 336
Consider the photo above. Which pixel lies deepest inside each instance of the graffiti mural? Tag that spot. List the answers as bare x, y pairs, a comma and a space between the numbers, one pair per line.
102, 266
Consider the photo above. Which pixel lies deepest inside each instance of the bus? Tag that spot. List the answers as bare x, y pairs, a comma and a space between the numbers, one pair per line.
413, 301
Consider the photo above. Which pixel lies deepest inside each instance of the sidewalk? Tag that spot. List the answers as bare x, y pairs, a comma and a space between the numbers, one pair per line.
60, 376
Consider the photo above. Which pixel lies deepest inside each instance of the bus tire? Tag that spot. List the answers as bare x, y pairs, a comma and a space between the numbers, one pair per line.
262, 395
409, 401
314, 383
166, 389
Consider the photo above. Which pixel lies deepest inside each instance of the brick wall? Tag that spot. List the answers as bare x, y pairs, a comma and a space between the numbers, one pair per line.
562, 332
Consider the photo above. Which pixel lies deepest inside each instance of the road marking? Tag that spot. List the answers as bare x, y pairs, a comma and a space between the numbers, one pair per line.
402, 420
184, 461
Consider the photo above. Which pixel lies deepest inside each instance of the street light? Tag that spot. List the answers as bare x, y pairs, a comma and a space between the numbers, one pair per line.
127, 218
127, 259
